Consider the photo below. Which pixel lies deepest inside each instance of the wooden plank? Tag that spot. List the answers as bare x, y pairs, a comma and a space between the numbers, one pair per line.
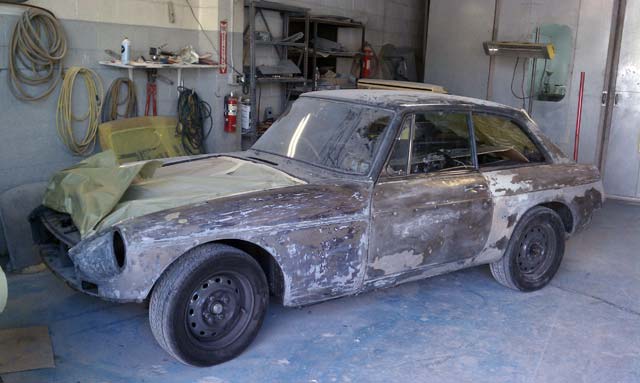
24, 349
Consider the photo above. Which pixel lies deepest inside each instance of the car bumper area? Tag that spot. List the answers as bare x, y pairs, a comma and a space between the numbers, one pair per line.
86, 269
58, 261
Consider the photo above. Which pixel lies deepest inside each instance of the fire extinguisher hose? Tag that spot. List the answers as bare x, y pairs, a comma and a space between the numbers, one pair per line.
193, 117
65, 117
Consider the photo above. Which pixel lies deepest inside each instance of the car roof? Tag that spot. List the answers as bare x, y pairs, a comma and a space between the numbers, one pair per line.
396, 99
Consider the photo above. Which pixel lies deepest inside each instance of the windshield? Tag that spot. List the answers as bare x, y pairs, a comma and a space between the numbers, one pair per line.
337, 135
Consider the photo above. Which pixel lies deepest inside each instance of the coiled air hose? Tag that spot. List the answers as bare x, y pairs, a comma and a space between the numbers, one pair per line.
65, 117
112, 100
37, 46
193, 113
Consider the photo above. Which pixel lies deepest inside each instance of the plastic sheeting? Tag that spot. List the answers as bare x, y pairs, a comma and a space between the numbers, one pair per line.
98, 193
142, 138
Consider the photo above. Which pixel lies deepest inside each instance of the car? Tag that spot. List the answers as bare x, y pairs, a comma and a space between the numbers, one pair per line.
348, 191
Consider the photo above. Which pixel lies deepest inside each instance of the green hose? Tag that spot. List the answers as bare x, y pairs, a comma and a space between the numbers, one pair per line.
37, 47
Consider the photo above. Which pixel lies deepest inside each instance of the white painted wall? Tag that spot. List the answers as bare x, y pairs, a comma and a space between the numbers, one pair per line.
455, 57
133, 12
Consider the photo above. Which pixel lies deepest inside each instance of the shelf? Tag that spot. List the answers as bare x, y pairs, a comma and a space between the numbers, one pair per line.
280, 43
152, 65
273, 6
334, 54
334, 22
339, 54
281, 79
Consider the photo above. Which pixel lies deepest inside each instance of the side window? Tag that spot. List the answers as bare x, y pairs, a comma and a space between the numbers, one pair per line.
439, 141
397, 164
501, 142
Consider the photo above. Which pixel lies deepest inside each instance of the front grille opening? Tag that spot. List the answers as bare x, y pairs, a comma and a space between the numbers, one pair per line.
89, 287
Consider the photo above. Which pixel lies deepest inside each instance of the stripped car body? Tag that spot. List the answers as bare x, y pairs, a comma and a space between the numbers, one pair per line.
336, 233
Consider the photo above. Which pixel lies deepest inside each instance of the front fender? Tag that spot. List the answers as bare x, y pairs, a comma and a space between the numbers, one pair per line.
317, 235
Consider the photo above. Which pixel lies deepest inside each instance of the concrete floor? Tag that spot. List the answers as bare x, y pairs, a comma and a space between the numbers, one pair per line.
461, 327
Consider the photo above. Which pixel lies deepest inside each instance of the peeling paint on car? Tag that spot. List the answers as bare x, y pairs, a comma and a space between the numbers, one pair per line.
395, 263
340, 234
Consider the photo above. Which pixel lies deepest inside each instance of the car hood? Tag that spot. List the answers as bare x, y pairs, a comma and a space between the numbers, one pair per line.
98, 193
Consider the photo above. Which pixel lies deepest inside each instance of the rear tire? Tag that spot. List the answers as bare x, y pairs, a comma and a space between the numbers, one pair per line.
209, 305
534, 253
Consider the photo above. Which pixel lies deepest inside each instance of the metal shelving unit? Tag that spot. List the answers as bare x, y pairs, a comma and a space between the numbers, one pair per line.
256, 8
317, 23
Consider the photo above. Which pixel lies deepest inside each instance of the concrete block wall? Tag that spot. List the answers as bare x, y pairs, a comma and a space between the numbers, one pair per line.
30, 150
397, 22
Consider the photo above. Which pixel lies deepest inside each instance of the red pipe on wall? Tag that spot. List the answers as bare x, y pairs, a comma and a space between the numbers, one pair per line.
576, 144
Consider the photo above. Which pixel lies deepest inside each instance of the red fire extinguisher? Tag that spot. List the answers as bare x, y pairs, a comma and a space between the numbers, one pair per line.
230, 113
367, 58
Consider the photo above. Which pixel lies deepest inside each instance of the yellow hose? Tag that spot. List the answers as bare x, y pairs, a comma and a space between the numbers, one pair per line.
65, 117
38, 44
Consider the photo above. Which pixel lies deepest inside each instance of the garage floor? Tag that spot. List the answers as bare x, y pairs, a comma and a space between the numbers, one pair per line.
458, 327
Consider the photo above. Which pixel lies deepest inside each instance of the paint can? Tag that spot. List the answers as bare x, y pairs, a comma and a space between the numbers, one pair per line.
245, 114
125, 51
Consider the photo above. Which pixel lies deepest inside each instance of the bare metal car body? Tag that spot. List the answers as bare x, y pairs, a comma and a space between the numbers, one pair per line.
338, 234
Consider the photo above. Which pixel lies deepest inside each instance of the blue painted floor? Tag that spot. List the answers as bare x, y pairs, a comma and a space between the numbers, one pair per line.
461, 327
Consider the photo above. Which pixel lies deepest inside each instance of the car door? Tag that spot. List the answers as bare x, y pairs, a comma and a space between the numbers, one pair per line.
430, 206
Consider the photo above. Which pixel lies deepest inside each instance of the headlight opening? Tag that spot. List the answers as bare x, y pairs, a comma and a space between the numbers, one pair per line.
119, 249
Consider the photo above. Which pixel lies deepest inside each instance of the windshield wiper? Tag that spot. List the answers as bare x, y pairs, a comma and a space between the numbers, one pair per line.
263, 160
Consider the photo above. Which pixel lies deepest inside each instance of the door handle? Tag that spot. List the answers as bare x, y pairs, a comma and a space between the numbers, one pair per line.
475, 188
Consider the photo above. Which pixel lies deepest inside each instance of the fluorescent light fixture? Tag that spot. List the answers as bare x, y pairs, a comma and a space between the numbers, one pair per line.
519, 49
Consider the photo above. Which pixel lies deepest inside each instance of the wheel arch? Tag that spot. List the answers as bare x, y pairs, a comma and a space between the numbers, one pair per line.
268, 264
564, 212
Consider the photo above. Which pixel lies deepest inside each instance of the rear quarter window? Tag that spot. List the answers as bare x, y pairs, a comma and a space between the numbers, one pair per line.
500, 141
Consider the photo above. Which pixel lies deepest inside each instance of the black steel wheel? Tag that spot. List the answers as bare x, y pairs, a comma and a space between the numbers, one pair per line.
218, 309
534, 253
209, 305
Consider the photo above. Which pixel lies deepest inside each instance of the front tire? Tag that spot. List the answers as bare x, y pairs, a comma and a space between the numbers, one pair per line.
209, 305
534, 253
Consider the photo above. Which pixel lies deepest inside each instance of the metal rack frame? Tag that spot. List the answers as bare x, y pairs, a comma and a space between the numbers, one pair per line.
256, 8
318, 21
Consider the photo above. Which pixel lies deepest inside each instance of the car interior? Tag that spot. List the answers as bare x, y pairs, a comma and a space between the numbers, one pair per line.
441, 142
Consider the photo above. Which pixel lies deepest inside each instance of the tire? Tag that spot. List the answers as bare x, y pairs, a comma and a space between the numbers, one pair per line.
534, 253
209, 305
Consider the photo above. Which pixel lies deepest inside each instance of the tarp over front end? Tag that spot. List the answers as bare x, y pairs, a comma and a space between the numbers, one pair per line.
99, 193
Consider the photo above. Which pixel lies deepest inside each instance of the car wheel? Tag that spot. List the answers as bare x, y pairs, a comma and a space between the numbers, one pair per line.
209, 305
534, 252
